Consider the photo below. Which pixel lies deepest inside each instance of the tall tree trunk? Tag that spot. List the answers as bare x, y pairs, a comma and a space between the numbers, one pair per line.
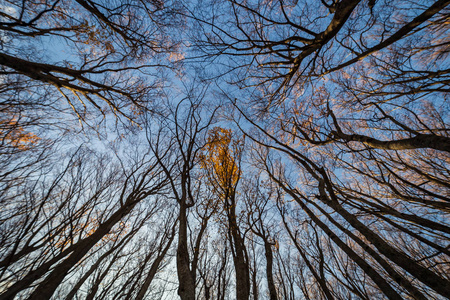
186, 288
269, 270
240, 257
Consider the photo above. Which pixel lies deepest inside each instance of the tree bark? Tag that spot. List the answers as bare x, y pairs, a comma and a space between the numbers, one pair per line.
432, 141
186, 288
240, 258
269, 270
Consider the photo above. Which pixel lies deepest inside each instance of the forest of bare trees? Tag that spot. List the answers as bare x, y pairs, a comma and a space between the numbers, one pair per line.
224, 149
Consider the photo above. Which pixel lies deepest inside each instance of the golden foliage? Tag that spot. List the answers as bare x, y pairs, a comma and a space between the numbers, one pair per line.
15, 135
220, 158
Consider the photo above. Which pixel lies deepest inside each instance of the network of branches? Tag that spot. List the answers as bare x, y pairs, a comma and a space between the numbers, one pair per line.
224, 149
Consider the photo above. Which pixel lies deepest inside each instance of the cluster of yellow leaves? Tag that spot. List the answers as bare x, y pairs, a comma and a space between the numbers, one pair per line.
92, 35
219, 157
15, 135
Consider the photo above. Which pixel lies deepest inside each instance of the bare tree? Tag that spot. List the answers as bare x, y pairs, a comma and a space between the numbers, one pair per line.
176, 145
340, 190
103, 71
74, 214
347, 101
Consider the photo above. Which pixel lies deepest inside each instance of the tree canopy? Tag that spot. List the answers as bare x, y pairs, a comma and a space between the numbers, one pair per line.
254, 149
